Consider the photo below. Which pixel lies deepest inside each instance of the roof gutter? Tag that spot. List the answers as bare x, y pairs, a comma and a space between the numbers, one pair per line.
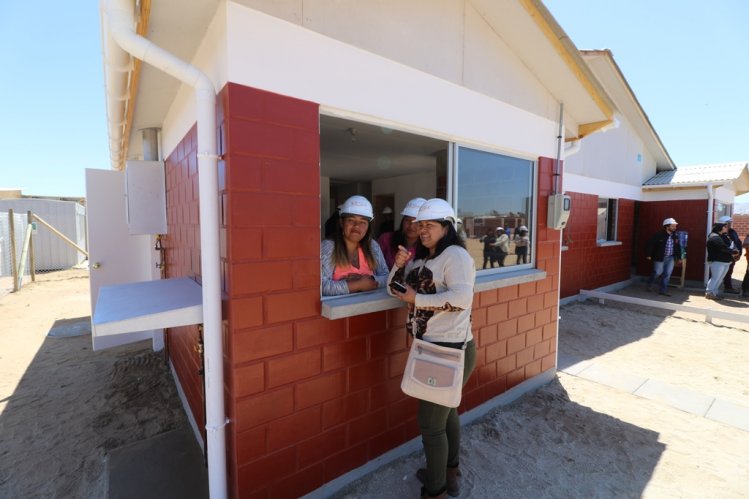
118, 23
571, 56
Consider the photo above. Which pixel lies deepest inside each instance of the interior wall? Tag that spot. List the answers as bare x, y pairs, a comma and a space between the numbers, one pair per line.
405, 188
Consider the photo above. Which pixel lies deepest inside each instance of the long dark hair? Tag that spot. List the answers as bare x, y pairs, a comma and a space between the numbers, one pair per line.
340, 256
451, 238
399, 237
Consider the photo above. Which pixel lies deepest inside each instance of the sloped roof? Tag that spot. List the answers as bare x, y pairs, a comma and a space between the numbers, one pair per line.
605, 68
698, 175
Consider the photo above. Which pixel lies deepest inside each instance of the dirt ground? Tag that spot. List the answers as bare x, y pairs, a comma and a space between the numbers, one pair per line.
64, 407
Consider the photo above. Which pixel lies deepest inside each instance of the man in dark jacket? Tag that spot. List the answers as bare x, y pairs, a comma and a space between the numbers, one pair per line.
733, 236
719, 257
664, 250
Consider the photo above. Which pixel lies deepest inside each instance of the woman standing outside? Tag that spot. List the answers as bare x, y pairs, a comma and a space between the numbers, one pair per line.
522, 241
406, 235
439, 281
351, 261
719, 257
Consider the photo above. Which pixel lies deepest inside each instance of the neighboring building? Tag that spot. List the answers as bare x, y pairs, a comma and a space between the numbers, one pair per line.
604, 177
312, 105
696, 196
68, 217
623, 184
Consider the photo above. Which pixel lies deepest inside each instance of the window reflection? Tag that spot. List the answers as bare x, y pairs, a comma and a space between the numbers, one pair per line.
495, 200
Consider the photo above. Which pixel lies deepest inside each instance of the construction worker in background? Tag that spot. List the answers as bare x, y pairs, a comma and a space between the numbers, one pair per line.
664, 251
735, 244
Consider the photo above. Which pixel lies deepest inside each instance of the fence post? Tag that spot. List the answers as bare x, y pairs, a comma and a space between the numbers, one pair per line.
32, 261
14, 270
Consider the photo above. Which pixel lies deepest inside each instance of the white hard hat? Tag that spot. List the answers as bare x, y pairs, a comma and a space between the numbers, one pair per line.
387, 210
669, 221
436, 209
500, 229
357, 205
412, 207
725, 219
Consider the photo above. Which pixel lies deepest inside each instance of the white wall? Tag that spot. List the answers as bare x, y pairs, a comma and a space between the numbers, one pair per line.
405, 188
445, 38
618, 155
272, 54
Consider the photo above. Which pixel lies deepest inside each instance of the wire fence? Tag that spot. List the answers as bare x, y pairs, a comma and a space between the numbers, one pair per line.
10, 257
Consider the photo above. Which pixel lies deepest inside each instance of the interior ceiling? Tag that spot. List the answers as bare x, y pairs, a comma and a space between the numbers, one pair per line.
351, 151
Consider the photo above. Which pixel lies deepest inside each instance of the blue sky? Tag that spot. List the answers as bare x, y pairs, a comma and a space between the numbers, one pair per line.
52, 111
686, 60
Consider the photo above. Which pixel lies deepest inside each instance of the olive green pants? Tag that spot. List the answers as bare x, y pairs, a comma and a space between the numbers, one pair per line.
440, 433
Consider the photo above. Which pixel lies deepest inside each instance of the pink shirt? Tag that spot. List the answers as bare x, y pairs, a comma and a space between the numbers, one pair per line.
385, 242
340, 273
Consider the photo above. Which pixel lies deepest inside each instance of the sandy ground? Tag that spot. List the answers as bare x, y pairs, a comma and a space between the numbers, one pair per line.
64, 407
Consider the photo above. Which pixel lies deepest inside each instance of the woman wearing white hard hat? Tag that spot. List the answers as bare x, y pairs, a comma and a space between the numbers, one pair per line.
406, 235
735, 243
522, 241
439, 283
351, 261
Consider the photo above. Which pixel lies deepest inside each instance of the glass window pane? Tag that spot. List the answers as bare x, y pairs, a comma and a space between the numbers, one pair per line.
495, 200
603, 206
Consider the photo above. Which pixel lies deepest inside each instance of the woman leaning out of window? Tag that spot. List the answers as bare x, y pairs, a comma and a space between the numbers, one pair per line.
439, 291
351, 261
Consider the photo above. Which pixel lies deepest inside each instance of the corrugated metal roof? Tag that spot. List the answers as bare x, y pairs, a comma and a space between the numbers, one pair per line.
697, 175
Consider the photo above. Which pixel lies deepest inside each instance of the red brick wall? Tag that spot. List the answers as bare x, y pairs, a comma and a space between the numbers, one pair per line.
585, 265
741, 225
692, 217
182, 256
310, 399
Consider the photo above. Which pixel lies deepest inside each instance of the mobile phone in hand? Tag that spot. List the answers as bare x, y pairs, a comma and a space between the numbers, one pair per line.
397, 286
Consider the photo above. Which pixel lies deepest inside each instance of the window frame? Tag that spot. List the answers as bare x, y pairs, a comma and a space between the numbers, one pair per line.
452, 190
338, 307
612, 223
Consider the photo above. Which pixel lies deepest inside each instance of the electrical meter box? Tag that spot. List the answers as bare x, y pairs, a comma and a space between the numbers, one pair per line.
145, 197
559, 211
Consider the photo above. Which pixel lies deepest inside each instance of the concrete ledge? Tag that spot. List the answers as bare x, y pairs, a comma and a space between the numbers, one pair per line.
338, 307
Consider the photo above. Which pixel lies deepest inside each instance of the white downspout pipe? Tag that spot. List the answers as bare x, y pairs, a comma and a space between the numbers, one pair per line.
121, 24
710, 202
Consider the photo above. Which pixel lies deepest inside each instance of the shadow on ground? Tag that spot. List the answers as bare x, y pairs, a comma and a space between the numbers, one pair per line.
73, 406
542, 445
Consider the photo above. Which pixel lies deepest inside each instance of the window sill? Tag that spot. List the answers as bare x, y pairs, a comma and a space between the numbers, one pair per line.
377, 301
608, 243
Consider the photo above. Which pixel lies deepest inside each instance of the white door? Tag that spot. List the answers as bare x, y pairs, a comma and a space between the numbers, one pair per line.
115, 257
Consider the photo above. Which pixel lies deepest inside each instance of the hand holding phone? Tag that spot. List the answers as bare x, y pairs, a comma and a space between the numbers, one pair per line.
399, 287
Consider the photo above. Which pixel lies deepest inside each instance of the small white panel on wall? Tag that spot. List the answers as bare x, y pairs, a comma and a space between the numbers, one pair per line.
145, 196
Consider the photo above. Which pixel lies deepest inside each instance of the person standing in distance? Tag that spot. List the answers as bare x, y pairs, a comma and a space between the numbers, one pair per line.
736, 244
439, 282
719, 257
664, 251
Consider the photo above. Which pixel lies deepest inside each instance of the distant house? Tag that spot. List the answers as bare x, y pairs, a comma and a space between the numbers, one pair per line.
258, 118
696, 196
623, 184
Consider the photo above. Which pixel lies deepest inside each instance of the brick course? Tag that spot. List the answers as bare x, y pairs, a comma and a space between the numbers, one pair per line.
308, 398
